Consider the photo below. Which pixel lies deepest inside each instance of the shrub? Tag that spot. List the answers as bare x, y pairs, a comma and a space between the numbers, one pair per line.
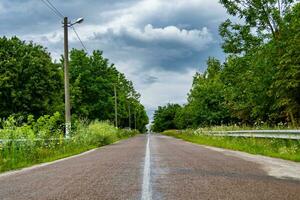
42, 140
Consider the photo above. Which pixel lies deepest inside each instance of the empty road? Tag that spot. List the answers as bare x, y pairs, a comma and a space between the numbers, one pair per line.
153, 167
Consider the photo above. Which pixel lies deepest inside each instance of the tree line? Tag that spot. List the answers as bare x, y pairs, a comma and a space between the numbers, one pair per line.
259, 82
32, 84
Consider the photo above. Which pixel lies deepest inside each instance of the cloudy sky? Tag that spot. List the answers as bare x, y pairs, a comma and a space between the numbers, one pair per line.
158, 44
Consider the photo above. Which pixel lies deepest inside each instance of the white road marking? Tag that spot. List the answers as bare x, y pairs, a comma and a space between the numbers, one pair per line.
146, 189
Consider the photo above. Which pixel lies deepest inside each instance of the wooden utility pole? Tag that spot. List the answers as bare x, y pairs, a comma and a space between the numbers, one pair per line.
129, 120
66, 79
116, 106
135, 119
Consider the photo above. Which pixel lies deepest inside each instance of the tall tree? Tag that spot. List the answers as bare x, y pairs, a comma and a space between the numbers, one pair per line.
286, 86
206, 98
164, 117
261, 20
29, 82
92, 81
260, 79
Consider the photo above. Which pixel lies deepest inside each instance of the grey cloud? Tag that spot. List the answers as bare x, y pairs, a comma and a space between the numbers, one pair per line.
23, 16
160, 48
150, 79
140, 54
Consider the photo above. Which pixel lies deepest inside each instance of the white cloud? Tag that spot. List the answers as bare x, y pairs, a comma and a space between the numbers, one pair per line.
144, 10
171, 87
2, 10
157, 43
195, 38
167, 87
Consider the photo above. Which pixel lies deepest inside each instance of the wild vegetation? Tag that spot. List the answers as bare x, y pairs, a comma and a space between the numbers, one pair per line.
92, 91
279, 148
36, 141
32, 104
258, 83
32, 84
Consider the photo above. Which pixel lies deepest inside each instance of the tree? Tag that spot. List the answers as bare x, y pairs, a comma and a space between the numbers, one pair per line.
260, 79
286, 86
184, 117
29, 82
261, 21
92, 80
206, 99
261, 85
164, 117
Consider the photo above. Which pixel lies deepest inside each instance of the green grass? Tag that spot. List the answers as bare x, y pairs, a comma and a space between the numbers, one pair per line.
239, 128
278, 148
20, 154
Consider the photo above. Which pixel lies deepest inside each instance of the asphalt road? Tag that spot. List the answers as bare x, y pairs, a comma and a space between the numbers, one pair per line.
148, 167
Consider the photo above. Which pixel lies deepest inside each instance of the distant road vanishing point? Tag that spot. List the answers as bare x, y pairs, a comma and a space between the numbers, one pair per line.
155, 167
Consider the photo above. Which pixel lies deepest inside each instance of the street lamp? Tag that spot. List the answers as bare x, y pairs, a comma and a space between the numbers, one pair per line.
78, 21
67, 24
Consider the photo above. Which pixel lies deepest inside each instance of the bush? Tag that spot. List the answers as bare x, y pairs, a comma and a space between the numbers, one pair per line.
42, 140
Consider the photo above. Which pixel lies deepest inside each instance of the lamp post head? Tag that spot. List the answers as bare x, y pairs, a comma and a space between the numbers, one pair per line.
79, 20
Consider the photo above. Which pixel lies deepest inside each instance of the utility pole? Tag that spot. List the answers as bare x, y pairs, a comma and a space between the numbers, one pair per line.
129, 115
67, 24
66, 79
116, 106
134, 119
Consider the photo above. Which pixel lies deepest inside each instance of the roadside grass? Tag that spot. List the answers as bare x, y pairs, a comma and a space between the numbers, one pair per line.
261, 126
278, 148
31, 144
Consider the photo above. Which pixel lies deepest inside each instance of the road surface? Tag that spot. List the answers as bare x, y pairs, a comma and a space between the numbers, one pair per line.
150, 167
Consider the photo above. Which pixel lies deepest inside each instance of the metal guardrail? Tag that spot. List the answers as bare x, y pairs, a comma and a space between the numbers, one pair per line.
279, 134
260, 131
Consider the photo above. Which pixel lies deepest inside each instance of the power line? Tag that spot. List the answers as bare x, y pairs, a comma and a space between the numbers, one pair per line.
52, 8
55, 8
60, 15
79, 39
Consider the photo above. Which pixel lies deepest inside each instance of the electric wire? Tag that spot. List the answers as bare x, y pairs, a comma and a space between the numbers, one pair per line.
60, 15
79, 39
53, 9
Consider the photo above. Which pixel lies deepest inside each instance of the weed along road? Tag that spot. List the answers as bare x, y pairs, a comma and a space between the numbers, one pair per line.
156, 167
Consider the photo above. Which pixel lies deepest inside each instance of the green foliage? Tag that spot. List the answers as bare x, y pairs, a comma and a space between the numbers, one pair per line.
29, 82
260, 20
42, 140
286, 85
206, 98
93, 80
279, 148
164, 117
260, 80
45, 127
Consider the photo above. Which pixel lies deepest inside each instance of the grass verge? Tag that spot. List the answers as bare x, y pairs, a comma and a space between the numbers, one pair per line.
243, 128
16, 153
278, 148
